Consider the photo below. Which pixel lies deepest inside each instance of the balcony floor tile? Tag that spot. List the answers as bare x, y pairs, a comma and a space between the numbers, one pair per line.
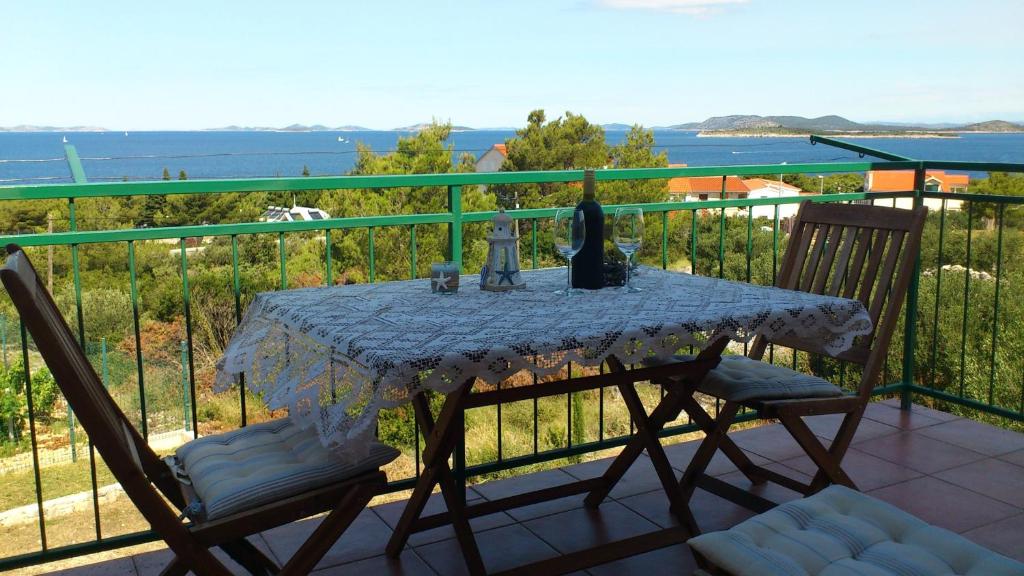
992, 477
1004, 536
407, 564
921, 453
976, 436
943, 504
501, 548
868, 472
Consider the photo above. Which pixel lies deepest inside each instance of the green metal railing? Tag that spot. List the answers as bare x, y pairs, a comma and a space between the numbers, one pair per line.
703, 216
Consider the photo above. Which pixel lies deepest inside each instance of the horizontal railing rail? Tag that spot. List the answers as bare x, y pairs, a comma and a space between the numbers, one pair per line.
719, 237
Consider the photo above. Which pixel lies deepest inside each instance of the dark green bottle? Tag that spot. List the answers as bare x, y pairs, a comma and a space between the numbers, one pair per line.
588, 264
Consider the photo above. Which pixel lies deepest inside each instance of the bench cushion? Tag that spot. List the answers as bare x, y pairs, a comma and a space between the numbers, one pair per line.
261, 463
840, 532
740, 379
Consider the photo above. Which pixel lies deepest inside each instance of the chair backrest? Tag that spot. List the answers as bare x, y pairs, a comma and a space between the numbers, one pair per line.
126, 453
860, 252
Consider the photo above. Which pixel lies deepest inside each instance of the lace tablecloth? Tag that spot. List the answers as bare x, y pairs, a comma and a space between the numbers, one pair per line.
335, 356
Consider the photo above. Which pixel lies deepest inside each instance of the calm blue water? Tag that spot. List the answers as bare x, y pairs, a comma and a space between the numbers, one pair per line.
27, 158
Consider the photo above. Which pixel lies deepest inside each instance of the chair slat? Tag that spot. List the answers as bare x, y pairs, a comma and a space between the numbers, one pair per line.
886, 276
820, 236
857, 267
867, 281
849, 240
796, 264
833, 241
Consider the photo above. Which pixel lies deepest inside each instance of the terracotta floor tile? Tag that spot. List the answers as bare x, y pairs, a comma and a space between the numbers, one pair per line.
679, 455
772, 442
583, 528
640, 477
924, 410
711, 512
1014, 457
868, 472
825, 426
114, 567
921, 453
365, 538
1005, 536
153, 563
769, 490
992, 477
407, 564
976, 436
501, 549
903, 419
669, 561
943, 504
392, 512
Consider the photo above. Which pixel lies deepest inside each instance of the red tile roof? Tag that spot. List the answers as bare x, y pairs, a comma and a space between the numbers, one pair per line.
903, 180
713, 184
679, 185
755, 183
502, 149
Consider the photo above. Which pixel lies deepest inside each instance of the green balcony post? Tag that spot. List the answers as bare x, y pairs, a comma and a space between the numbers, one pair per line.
104, 366
910, 323
455, 227
185, 408
3, 338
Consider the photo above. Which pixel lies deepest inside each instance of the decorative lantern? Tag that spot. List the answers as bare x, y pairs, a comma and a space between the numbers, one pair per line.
501, 270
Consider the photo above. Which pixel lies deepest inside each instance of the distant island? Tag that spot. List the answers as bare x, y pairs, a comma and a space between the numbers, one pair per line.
753, 126
291, 128
31, 128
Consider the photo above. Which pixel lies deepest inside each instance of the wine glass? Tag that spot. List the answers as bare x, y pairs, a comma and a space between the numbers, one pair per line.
570, 232
629, 233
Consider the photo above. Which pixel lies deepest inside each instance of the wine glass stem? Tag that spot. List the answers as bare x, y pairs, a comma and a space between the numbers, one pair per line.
568, 275
628, 285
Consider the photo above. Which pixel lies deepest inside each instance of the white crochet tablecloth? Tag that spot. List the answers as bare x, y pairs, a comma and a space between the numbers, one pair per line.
335, 356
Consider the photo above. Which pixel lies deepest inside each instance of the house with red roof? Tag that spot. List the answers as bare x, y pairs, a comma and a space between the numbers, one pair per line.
903, 181
492, 160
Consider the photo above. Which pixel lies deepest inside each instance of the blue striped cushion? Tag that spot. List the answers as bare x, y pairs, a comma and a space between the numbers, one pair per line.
841, 532
261, 463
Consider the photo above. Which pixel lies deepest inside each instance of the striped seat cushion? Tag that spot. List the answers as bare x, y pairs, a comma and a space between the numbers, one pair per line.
262, 463
841, 532
740, 379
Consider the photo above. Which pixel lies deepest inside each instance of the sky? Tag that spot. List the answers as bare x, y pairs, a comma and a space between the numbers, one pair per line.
130, 65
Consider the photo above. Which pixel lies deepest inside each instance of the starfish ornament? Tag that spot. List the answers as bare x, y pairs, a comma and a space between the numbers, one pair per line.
506, 274
441, 282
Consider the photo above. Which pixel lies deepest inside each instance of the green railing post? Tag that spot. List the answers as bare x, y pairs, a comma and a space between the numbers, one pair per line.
3, 338
910, 322
455, 228
104, 367
185, 408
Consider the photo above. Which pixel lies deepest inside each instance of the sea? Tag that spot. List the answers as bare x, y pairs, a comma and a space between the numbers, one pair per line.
38, 157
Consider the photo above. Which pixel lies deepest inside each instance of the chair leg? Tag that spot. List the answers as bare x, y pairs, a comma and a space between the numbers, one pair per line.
328, 532
827, 463
706, 450
175, 568
840, 444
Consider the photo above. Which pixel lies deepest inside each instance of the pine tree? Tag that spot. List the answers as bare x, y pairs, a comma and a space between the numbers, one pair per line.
167, 174
182, 175
305, 170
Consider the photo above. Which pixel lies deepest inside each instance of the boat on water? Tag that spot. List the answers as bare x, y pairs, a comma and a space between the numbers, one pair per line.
64, 140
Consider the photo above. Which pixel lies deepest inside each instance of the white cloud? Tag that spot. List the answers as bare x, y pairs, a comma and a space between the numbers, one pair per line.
692, 7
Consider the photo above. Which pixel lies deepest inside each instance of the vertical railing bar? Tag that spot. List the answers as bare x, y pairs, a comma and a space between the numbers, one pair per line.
455, 228
187, 304
910, 313
693, 241
412, 252
568, 412
967, 288
721, 240
775, 268
133, 288
373, 255
501, 456
938, 291
282, 256
328, 258
236, 283
664, 240
600, 407
536, 431
995, 307
533, 241
32, 436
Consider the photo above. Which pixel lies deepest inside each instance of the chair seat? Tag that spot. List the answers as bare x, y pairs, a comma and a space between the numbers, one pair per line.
839, 532
740, 379
263, 463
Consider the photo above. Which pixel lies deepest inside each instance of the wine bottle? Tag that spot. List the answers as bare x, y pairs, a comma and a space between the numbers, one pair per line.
588, 264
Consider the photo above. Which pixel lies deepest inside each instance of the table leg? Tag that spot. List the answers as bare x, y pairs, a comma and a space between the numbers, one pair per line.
666, 411
440, 443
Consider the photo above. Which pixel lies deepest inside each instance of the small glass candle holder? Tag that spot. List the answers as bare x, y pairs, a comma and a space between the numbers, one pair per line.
444, 277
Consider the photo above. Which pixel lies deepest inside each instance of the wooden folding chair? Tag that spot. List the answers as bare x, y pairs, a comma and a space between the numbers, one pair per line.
853, 251
229, 485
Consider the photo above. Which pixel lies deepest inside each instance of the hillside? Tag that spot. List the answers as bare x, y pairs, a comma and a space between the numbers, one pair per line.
831, 123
